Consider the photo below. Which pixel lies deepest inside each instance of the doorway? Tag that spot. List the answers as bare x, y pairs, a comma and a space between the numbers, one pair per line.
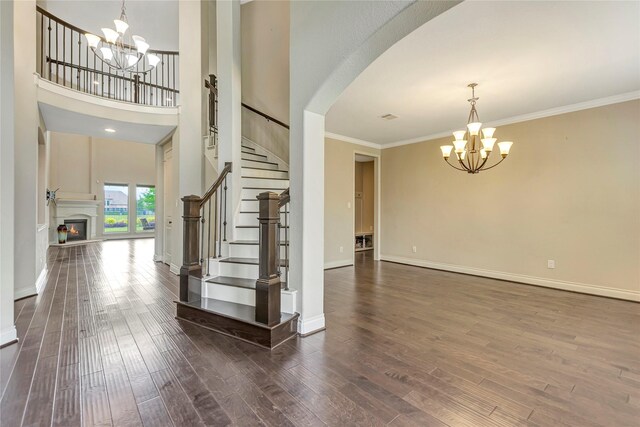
168, 204
365, 218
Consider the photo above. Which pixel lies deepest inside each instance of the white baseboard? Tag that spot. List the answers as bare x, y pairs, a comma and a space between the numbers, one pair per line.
8, 335
158, 258
313, 324
42, 280
24, 292
337, 264
583, 288
174, 269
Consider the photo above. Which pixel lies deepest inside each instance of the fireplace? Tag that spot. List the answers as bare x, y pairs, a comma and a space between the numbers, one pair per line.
76, 229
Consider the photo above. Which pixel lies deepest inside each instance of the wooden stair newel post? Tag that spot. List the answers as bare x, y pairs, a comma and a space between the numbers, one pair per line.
190, 289
268, 283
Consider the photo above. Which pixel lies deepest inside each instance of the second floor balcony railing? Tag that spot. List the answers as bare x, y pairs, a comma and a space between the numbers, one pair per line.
64, 57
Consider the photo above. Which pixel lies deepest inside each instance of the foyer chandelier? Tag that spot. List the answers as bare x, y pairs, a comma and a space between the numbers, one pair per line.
471, 151
120, 51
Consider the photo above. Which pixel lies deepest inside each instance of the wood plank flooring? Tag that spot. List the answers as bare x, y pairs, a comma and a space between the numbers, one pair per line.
404, 346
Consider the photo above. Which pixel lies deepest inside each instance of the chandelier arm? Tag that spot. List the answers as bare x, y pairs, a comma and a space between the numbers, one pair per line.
465, 166
460, 169
484, 161
108, 64
491, 167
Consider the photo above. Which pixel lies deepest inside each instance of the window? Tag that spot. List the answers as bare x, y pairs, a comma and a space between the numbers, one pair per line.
116, 208
145, 208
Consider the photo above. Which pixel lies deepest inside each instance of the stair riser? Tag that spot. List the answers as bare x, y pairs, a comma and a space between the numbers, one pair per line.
246, 234
265, 183
261, 173
252, 193
243, 271
246, 296
251, 219
252, 206
247, 156
254, 164
249, 251
247, 219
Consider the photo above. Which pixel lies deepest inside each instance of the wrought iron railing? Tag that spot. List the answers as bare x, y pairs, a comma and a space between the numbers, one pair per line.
283, 237
64, 57
204, 230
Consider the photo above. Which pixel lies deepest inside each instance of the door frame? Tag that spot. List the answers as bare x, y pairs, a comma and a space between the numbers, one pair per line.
376, 202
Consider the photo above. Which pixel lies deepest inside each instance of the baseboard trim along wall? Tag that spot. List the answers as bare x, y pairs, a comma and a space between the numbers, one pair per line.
158, 258
8, 336
174, 269
42, 280
309, 326
582, 288
24, 293
338, 264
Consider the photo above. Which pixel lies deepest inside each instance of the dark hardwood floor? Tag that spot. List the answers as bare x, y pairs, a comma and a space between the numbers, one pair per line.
403, 346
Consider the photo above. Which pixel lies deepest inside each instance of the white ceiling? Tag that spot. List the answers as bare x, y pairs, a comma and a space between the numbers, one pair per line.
155, 20
527, 56
60, 120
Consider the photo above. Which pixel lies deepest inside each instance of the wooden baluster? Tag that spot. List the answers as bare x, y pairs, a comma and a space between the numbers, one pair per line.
268, 283
191, 270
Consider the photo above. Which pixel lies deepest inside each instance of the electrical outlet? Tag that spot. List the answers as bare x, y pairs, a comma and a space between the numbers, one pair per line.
341, 249
371, 228
348, 205
415, 249
551, 263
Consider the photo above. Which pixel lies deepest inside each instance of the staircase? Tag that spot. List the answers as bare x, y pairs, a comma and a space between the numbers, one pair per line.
227, 300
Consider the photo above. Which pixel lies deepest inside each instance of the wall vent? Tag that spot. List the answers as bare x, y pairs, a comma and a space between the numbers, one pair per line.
388, 117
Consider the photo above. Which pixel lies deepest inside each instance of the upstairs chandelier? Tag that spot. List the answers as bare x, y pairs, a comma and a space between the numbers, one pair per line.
470, 153
120, 51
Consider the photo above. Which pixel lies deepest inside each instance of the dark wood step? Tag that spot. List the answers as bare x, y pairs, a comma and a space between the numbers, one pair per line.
249, 261
250, 242
255, 226
244, 147
237, 282
263, 169
262, 177
253, 153
238, 321
263, 161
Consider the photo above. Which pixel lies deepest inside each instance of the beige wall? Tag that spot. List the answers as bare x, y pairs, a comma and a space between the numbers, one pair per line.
265, 73
339, 206
81, 165
569, 191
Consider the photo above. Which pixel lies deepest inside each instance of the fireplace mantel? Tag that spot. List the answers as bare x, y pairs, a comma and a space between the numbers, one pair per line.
76, 209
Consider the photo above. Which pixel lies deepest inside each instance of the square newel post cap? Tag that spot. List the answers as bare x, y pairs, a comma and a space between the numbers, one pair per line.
268, 205
191, 206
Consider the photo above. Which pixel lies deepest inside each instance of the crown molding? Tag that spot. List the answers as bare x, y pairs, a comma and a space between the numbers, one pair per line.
353, 140
594, 103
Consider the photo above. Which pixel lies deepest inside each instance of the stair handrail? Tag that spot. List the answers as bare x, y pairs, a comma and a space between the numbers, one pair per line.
285, 198
199, 214
216, 184
265, 115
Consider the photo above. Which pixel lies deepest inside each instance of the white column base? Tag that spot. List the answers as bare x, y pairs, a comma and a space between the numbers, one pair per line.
9, 335
311, 325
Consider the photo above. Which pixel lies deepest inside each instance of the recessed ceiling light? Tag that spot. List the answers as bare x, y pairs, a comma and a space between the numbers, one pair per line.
388, 117
110, 130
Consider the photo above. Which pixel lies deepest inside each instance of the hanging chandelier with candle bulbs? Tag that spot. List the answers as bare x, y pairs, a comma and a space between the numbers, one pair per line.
120, 50
471, 152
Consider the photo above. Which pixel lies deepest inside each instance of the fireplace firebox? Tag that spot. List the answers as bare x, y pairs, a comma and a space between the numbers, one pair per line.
76, 229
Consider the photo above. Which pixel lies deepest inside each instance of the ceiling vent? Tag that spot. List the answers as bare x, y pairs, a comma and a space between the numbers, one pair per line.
388, 117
